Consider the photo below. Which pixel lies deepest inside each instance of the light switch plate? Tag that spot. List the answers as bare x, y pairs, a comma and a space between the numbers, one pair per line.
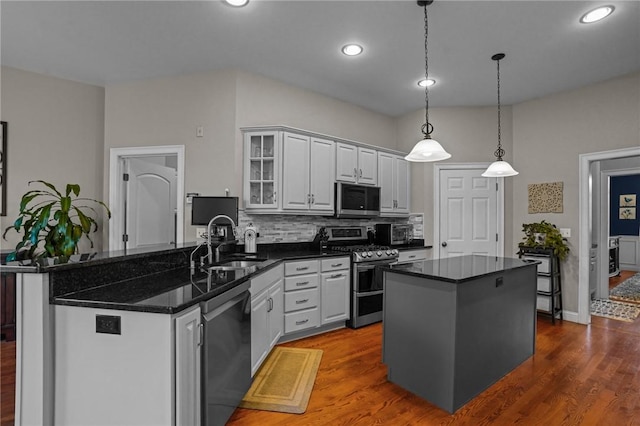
565, 232
200, 233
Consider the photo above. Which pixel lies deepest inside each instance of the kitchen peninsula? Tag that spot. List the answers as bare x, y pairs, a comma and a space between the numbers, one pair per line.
454, 326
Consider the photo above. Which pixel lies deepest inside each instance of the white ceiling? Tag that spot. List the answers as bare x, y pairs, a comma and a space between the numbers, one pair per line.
298, 42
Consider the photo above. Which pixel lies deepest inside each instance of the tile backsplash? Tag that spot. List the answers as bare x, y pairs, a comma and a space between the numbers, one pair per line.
290, 228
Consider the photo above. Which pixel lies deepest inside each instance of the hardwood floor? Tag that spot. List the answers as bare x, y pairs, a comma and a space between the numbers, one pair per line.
614, 281
579, 375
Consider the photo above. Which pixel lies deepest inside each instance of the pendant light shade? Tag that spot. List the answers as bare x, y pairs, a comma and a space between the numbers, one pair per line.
427, 150
499, 168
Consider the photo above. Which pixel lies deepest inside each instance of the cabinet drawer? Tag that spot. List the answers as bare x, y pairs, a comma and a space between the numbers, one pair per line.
300, 282
301, 267
544, 284
303, 299
543, 267
543, 303
302, 320
334, 264
412, 255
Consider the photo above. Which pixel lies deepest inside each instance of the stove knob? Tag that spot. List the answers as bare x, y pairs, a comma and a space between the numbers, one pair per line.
389, 252
370, 254
363, 254
379, 253
394, 251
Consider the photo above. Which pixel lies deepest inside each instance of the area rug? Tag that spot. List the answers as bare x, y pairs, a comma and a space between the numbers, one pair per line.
628, 290
285, 380
612, 309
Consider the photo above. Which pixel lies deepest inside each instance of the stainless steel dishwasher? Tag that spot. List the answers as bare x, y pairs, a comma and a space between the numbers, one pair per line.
226, 357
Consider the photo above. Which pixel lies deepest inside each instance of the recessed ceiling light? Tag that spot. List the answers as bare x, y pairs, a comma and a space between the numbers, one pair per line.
352, 49
237, 3
426, 83
597, 14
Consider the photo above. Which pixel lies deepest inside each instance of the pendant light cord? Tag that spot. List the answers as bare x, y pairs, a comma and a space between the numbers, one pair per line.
427, 128
499, 152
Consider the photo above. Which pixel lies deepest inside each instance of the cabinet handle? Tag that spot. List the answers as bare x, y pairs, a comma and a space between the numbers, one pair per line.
360, 173
270, 304
275, 199
302, 268
301, 283
335, 265
201, 334
301, 301
411, 257
336, 276
355, 173
308, 198
313, 199
302, 322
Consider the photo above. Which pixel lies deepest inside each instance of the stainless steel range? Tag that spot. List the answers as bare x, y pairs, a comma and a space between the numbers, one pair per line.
366, 282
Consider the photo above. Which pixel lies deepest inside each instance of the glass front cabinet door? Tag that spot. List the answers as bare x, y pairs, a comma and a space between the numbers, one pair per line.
261, 170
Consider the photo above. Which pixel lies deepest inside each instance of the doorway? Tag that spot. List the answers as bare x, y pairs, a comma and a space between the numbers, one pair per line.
146, 189
469, 211
587, 182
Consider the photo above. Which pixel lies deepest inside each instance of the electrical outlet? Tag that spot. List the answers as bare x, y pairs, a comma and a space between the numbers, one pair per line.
201, 233
565, 232
199, 131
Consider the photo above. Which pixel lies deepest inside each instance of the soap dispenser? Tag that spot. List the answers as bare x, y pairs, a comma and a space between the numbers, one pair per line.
250, 236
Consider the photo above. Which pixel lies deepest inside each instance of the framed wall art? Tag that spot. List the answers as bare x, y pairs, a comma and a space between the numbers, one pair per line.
627, 213
3, 168
628, 200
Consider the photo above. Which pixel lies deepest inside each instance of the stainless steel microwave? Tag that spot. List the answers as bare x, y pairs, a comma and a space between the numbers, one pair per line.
391, 234
354, 200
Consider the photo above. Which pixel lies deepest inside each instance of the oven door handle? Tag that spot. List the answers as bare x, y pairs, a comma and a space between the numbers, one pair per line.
369, 293
372, 265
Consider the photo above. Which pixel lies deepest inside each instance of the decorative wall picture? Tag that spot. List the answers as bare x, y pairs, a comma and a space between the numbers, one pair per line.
628, 200
3, 168
627, 213
545, 197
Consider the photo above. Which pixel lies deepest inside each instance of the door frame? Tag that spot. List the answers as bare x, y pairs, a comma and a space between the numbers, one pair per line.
116, 196
585, 202
436, 205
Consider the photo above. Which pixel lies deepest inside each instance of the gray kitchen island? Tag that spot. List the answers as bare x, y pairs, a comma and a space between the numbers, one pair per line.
454, 326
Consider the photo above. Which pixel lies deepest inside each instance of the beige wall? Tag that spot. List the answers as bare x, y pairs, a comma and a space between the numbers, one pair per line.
470, 135
56, 133
549, 135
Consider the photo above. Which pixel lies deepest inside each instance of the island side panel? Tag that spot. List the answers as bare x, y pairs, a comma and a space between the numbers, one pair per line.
495, 331
113, 379
418, 336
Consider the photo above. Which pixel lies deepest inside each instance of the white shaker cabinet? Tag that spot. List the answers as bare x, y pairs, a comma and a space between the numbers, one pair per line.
188, 354
393, 179
356, 164
266, 314
334, 285
306, 163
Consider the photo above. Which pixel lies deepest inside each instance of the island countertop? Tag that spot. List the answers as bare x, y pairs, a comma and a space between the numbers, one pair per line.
459, 269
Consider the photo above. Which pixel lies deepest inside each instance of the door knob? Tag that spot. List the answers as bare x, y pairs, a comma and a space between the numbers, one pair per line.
444, 244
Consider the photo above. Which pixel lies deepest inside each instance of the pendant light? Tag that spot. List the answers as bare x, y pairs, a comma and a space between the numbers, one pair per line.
427, 149
499, 168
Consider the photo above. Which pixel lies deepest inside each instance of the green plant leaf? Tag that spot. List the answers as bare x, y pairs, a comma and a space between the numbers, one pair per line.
73, 187
48, 185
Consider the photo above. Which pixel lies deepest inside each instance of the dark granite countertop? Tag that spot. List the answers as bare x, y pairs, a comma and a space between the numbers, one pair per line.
459, 269
169, 290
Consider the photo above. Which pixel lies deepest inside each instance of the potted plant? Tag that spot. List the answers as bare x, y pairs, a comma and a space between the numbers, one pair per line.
52, 223
544, 235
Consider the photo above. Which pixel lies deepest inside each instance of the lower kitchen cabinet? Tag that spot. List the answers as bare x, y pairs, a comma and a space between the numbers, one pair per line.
301, 296
412, 255
147, 373
334, 284
267, 308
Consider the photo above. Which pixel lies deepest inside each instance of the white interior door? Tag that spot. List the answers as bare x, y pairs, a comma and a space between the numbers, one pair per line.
469, 218
150, 203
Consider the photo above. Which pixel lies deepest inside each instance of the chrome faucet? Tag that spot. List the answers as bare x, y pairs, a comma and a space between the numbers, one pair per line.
209, 249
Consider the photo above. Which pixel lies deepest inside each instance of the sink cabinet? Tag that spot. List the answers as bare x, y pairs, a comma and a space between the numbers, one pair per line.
266, 314
306, 162
356, 164
393, 179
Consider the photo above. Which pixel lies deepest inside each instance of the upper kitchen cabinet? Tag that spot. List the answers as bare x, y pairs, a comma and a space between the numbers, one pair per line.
306, 163
356, 164
393, 179
261, 170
